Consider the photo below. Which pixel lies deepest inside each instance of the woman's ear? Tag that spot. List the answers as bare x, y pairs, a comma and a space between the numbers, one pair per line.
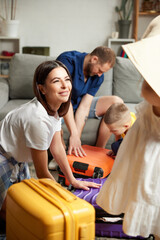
41, 88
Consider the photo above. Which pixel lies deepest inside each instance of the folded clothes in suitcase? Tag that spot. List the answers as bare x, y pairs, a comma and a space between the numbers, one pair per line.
97, 164
43, 209
107, 225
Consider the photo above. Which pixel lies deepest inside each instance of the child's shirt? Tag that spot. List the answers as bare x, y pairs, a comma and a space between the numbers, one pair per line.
133, 119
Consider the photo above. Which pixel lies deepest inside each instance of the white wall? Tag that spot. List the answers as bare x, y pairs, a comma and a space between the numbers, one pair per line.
66, 24
143, 23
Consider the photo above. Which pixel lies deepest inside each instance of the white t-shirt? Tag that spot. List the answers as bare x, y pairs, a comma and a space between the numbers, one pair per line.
28, 126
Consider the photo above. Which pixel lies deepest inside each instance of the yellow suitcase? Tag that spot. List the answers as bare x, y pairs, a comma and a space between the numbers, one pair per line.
43, 209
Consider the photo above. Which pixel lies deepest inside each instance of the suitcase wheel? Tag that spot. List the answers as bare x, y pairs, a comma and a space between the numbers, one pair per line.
151, 237
98, 172
61, 181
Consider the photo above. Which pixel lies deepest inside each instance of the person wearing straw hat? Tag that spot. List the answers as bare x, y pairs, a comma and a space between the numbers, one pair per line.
133, 187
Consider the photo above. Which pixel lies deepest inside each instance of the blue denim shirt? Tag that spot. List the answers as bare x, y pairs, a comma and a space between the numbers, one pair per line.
73, 60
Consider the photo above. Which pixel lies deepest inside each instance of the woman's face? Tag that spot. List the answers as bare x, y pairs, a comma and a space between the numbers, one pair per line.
57, 88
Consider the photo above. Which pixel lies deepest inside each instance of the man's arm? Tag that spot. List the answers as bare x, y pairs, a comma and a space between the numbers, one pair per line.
74, 141
75, 125
59, 155
82, 112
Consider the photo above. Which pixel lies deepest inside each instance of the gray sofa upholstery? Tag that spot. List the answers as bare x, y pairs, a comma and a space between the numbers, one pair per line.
123, 80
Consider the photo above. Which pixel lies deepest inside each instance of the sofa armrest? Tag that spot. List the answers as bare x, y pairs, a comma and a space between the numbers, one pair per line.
4, 92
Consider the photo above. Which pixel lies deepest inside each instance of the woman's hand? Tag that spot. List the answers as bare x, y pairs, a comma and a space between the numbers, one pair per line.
85, 185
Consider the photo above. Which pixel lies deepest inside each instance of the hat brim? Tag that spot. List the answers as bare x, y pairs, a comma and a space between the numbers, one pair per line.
145, 55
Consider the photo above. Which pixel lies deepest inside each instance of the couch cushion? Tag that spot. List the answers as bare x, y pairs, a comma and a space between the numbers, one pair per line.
10, 105
89, 134
22, 68
126, 81
106, 87
4, 92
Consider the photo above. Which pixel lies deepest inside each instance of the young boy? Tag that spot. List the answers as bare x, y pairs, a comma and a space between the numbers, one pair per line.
118, 119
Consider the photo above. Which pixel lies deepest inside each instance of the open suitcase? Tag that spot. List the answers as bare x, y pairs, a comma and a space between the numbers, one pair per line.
97, 164
107, 225
43, 209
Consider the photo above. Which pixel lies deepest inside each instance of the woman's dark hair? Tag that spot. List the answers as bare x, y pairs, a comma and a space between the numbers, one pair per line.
40, 77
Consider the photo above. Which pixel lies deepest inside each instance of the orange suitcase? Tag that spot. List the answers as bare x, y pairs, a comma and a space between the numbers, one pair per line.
43, 209
97, 164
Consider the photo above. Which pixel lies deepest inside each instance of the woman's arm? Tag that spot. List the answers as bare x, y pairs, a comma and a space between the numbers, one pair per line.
40, 160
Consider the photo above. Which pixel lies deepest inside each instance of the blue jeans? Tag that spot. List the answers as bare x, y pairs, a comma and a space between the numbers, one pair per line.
92, 112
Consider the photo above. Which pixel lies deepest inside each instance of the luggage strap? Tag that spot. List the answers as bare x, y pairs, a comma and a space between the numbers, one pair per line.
3, 152
70, 222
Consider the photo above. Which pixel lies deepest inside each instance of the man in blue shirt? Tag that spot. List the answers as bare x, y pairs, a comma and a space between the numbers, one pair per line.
87, 76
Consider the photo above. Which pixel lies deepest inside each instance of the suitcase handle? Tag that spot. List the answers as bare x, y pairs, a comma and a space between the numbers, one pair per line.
64, 193
69, 221
81, 167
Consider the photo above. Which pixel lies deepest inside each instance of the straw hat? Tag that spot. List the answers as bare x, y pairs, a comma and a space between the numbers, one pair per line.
145, 54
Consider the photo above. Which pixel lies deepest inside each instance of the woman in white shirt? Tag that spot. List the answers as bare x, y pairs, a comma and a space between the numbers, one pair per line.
29, 131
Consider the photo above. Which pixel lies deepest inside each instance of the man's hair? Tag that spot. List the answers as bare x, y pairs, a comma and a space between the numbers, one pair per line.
104, 55
116, 112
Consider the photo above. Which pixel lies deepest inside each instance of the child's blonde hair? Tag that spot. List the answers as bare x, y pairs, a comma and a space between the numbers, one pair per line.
116, 112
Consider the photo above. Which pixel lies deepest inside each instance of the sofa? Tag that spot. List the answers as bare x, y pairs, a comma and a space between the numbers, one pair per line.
123, 80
